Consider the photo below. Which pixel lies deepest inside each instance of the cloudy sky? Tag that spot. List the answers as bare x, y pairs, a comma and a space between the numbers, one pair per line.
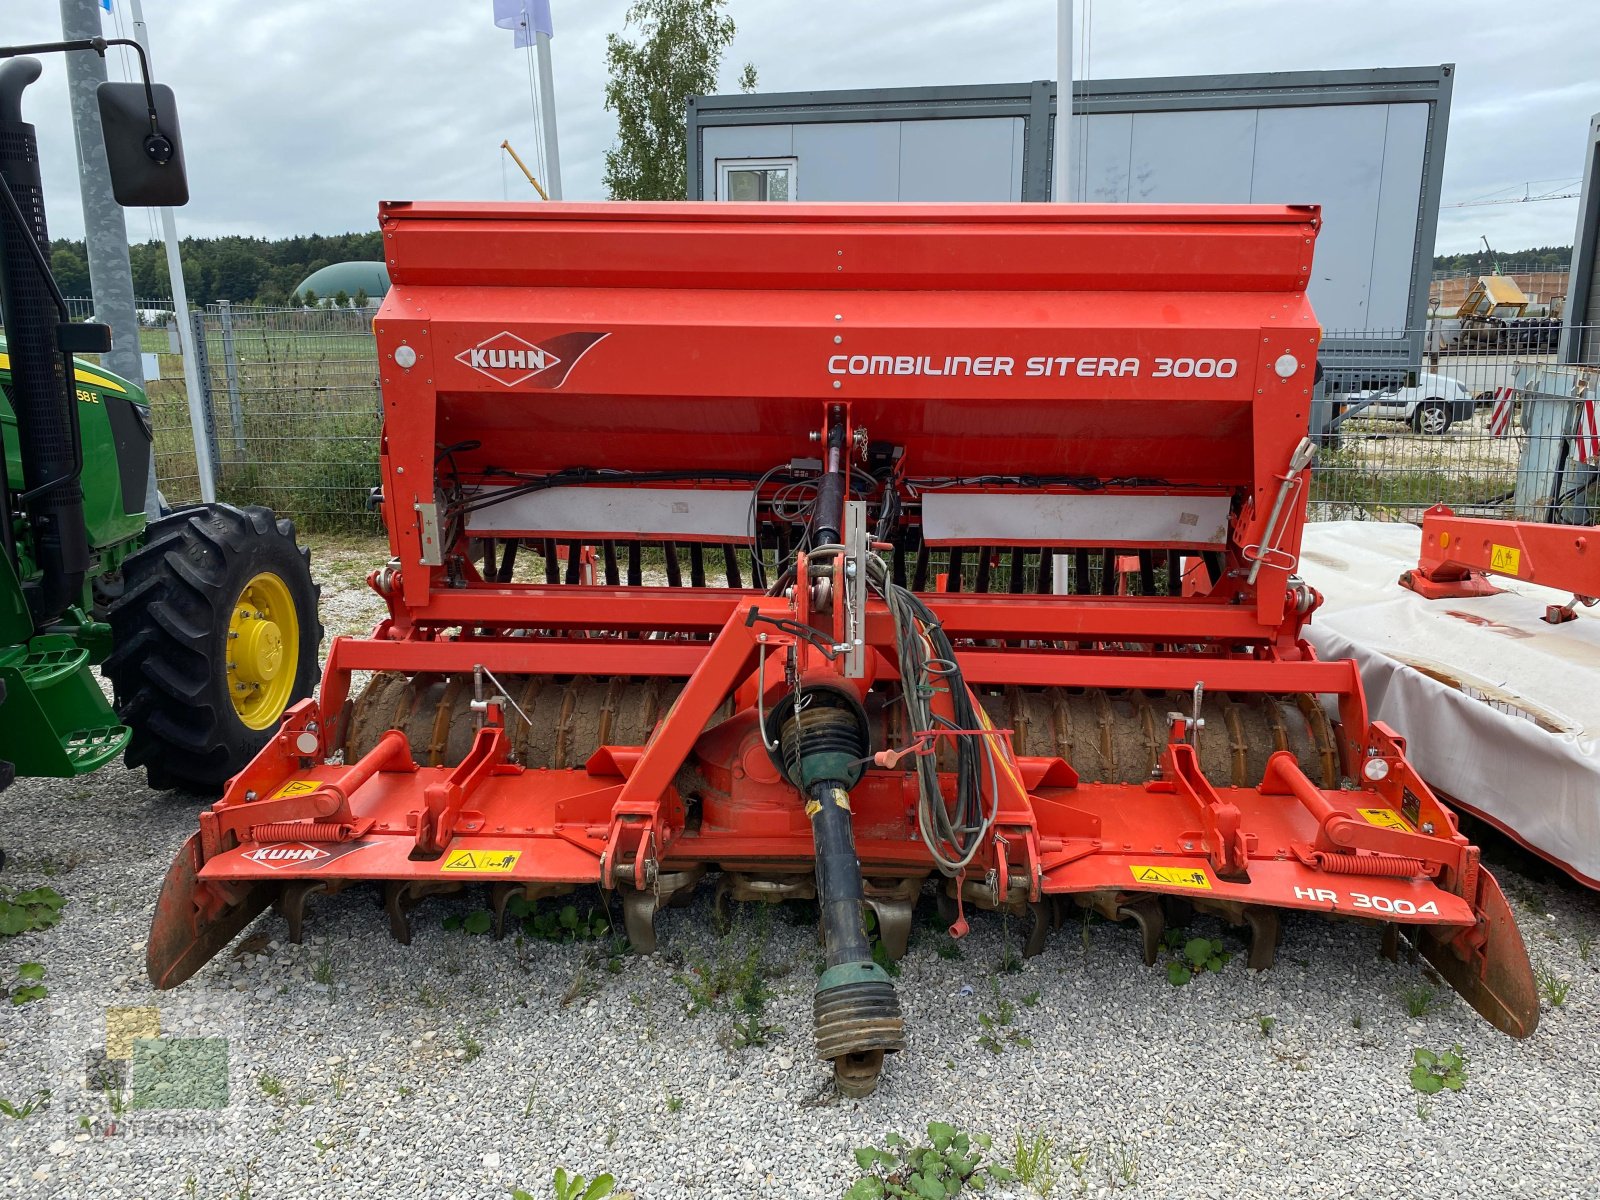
299, 115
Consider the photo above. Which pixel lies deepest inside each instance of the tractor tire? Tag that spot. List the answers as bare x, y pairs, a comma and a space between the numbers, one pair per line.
215, 634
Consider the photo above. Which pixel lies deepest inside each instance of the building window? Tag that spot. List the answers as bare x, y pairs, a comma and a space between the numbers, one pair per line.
756, 179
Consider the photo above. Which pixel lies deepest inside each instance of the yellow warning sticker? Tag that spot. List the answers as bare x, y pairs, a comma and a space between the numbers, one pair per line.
481, 861
1385, 818
295, 787
1184, 877
1504, 559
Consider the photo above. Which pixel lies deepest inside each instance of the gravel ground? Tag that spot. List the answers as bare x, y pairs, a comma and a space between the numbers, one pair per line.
464, 1067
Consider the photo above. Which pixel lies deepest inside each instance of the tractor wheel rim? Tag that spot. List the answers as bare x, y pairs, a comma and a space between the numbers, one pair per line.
263, 650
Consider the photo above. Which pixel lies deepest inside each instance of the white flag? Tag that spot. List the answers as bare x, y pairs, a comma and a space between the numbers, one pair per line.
526, 17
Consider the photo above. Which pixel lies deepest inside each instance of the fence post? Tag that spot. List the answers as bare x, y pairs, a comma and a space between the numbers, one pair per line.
230, 365
202, 370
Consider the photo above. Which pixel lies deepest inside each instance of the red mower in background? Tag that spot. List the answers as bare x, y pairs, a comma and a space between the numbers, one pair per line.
830, 550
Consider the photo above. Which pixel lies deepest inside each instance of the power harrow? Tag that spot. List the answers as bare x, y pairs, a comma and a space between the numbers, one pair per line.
844, 553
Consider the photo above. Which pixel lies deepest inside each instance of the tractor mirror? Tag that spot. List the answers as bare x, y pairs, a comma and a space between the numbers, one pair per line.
143, 148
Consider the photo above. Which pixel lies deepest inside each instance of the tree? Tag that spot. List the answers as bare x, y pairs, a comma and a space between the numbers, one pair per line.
361, 299
747, 79
679, 50
71, 268
310, 298
341, 299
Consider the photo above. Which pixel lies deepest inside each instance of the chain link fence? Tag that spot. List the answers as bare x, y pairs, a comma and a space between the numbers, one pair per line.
291, 409
1494, 430
1491, 426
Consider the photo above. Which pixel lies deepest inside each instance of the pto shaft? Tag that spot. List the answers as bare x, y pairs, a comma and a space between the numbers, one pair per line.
856, 1015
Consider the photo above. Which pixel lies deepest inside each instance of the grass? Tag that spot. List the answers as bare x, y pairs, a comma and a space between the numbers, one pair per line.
1032, 1163
270, 1085
1420, 999
1124, 1165
1552, 987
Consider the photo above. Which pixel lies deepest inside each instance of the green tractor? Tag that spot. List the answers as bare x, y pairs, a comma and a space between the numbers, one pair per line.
204, 620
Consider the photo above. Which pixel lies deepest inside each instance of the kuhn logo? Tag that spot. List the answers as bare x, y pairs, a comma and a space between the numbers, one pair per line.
287, 854
512, 361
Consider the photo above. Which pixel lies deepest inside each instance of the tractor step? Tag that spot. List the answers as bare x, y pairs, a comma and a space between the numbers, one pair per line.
44, 668
89, 749
58, 722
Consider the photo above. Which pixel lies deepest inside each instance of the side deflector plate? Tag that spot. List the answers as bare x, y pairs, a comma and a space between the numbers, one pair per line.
1498, 979
182, 939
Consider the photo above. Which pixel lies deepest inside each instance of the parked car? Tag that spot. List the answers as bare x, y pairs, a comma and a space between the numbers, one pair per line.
1431, 405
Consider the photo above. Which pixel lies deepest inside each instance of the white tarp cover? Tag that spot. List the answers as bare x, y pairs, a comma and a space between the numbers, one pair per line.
1515, 741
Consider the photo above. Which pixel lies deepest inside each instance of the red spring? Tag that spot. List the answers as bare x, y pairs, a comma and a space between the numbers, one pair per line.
303, 831
1371, 864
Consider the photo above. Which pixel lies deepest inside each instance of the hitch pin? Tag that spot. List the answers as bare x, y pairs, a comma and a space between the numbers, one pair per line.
1298, 462
1194, 723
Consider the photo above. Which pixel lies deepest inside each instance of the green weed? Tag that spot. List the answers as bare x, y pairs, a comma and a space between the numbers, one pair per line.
1192, 955
29, 988
1433, 1072
22, 1110
24, 912
949, 1162
997, 1032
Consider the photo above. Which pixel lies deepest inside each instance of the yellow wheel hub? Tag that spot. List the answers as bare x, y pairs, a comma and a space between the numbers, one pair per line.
263, 650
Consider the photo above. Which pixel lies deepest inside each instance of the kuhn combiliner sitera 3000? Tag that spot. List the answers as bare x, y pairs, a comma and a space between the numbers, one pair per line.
848, 553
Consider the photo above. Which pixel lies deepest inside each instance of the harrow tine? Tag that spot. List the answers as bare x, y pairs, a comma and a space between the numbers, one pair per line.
893, 904
1145, 911
1393, 940
401, 897
1265, 930
639, 919
499, 896
292, 903
1039, 922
